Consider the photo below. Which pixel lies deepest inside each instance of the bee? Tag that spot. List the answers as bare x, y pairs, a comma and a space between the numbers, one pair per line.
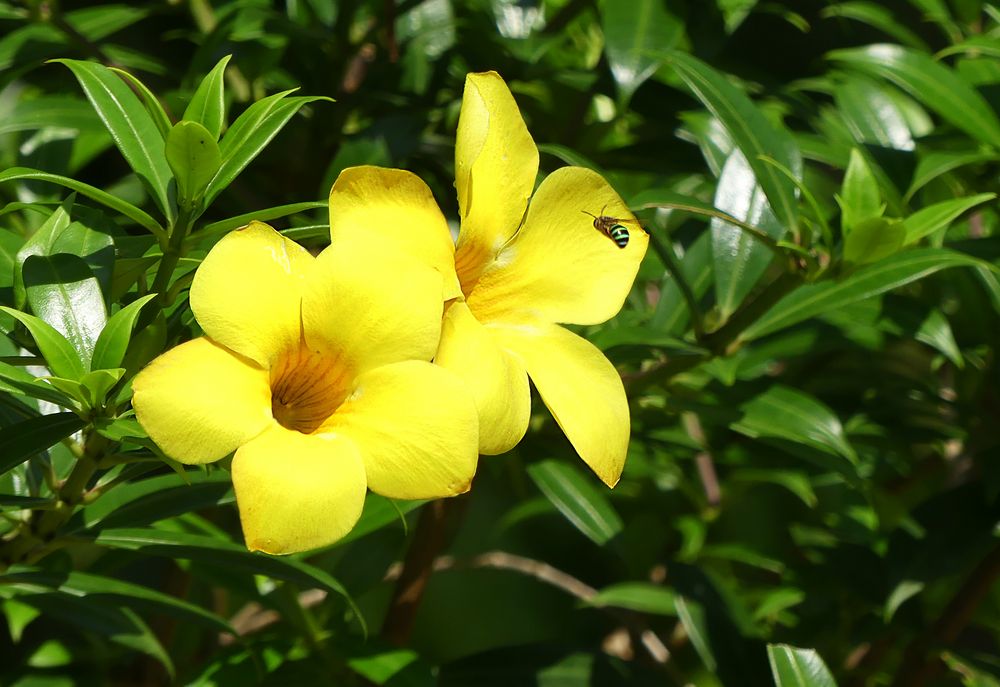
612, 227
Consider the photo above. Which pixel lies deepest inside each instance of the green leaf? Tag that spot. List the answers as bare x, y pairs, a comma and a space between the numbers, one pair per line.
576, 497
194, 158
226, 225
873, 239
935, 164
859, 196
109, 350
877, 16
149, 99
208, 105
782, 412
228, 554
794, 667
903, 591
64, 293
740, 259
134, 131
250, 133
40, 243
939, 216
872, 113
82, 584
644, 597
930, 82
102, 197
633, 33
692, 616
753, 134
815, 299
21, 441
15, 380
59, 354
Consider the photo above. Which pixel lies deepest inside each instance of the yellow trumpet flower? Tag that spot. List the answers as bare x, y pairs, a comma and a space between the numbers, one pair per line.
316, 372
518, 270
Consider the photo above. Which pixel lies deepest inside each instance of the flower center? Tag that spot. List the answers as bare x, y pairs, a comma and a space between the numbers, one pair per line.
306, 388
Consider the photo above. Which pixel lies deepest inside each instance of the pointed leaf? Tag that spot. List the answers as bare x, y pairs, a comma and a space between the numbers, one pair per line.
859, 196
149, 99
59, 355
644, 597
873, 239
751, 131
930, 82
938, 216
633, 32
134, 131
109, 351
794, 667
250, 133
208, 105
814, 299
577, 499
102, 197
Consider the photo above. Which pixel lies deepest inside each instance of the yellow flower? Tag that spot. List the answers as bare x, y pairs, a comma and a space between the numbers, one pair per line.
517, 270
315, 371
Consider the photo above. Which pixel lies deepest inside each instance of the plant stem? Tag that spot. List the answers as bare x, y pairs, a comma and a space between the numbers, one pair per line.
429, 540
172, 253
664, 247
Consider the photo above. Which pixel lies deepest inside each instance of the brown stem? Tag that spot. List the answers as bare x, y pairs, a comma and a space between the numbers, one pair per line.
920, 662
429, 540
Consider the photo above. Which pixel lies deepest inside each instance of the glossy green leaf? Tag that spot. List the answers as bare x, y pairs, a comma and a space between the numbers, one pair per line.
672, 314
208, 105
754, 135
194, 158
633, 33
873, 239
859, 195
134, 131
149, 99
228, 554
578, 499
939, 216
59, 354
794, 667
39, 243
109, 350
782, 412
814, 299
23, 440
740, 259
251, 131
644, 597
63, 292
930, 82
102, 197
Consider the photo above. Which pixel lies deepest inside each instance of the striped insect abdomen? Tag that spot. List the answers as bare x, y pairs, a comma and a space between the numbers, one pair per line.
619, 235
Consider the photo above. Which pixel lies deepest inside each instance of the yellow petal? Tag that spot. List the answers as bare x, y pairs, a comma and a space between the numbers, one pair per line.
369, 305
495, 167
581, 388
416, 428
496, 379
393, 206
296, 491
199, 401
559, 268
246, 293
